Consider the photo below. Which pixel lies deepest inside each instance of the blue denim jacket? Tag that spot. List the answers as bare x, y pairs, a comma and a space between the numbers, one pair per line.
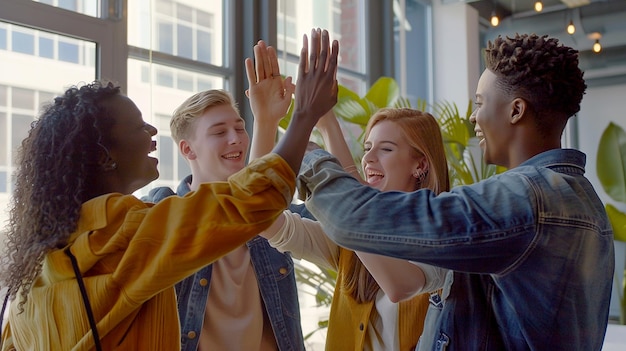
532, 248
277, 283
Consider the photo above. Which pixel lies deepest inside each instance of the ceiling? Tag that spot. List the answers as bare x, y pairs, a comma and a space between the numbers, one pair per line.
606, 18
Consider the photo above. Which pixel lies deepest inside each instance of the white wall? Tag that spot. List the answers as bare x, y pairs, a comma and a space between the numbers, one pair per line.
456, 51
600, 106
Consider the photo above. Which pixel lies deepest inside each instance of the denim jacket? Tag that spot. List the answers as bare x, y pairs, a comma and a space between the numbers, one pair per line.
532, 248
277, 284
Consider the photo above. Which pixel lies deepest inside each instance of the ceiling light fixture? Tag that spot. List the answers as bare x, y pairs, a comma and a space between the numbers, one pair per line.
571, 29
595, 36
596, 46
494, 17
538, 6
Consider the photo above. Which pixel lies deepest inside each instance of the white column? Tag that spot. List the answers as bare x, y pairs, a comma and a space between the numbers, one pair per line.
456, 48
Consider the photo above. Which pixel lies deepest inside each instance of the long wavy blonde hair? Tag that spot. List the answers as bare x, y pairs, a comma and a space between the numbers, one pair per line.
422, 132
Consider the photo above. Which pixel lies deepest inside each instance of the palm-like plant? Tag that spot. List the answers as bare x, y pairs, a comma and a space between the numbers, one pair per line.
353, 111
464, 156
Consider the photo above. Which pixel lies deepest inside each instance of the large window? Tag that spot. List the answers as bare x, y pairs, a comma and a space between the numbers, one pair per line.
161, 52
177, 49
344, 19
36, 65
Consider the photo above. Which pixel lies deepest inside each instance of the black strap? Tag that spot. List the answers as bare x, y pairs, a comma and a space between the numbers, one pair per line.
4, 307
83, 291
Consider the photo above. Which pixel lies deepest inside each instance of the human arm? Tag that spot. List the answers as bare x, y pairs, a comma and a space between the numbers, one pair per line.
193, 230
335, 142
270, 97
316, 93
469, 222
305, 239
402, 279
399, 279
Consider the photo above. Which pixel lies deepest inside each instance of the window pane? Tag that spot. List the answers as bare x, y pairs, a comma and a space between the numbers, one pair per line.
3, 139
45, 98
23, 98
3, 96
3, 182
343, 19
185, 42
194, 30
19, 130
165, 148
185, 82
68, 5
183, 167
166, 38
3, 37
46, 48
165, 78
23, 43
204, 46
184, 13
46, 61
68, 52
162, 122
204, 19
86, 7
413, 71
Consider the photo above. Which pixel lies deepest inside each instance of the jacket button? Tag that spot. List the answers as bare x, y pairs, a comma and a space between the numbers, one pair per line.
191, 335
203, 282
361, 327
282, 270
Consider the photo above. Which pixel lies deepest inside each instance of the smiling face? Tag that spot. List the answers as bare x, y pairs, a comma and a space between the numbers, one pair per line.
389, 160
218, 144
492, 119
130, 143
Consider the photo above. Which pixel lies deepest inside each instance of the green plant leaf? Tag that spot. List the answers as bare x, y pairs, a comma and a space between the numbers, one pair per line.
611, 162
618, 222
384, 92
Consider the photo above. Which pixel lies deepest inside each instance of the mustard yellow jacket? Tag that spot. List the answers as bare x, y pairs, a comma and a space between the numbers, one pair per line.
348, 320
131, 253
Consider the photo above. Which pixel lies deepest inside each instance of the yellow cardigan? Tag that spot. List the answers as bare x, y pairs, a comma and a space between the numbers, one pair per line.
131, 254
348, 320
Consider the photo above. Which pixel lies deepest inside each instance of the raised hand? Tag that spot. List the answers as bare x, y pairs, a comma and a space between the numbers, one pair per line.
316, 94
269, 94
317, 88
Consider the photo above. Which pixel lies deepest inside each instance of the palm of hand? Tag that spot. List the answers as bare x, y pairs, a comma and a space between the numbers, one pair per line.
270, 98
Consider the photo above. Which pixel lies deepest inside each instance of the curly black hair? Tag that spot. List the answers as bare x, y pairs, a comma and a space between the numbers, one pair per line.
540, 70
57, 165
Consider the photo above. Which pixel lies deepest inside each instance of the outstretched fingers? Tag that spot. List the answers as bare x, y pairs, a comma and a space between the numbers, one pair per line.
315, 48
303, 66
316, 91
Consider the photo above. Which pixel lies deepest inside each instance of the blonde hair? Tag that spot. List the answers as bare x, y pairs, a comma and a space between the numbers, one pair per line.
195, 106
423, 133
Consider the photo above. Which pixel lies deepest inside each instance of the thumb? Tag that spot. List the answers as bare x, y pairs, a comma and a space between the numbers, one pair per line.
290, 88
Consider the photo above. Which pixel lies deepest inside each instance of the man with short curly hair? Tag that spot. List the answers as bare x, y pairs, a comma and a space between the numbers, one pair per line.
531, 248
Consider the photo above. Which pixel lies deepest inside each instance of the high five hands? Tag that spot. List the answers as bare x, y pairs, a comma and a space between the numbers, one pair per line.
316, 89
315, 94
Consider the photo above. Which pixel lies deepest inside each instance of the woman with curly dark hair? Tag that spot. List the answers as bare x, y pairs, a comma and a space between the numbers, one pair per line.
90, 265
